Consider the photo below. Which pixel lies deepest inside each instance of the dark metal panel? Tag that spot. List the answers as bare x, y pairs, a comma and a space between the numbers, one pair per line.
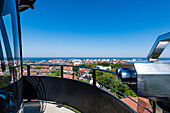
15, 97
84, 97
25, 4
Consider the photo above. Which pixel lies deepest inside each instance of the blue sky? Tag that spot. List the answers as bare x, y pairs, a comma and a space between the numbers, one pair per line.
94, 28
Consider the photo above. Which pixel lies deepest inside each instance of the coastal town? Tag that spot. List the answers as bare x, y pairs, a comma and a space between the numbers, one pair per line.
37, 70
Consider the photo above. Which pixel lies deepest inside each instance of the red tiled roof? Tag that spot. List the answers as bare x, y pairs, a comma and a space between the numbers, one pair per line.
135, 106
44, 70
68, 68
125, 60
67, 76
50, 61
46, 66
83, 70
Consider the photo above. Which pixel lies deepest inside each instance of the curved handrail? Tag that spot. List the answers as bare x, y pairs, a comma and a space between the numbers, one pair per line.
125, 96
74, 66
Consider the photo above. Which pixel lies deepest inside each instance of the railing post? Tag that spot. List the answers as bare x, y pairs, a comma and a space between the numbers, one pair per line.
28, 74
28, 70
61, 71
94, 77
13, 72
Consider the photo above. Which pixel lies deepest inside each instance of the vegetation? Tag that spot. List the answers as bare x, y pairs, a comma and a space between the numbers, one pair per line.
104, 64
5, 81
84, 81
49, 74
117, 86
82, 65
117, 65
69, 107
151, 102
39, 67
54, 73
24, 66
89, 65
75, 69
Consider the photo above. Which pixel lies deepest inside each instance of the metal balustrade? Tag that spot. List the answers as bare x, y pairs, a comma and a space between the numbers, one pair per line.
93, 77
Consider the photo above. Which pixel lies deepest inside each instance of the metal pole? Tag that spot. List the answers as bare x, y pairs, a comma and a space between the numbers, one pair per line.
28, 74
94, 77
19, 32
28, 70
154, 106
61, 71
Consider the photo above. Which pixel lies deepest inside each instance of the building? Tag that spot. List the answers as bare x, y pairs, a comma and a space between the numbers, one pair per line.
105, 68
77, 62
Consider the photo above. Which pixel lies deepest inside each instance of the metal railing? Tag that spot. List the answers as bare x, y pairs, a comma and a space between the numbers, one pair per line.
93, 77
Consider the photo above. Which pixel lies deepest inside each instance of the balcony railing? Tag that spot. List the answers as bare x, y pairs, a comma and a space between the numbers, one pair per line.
94, 79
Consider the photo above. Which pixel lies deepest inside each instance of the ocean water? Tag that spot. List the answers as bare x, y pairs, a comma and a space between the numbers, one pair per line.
83, 58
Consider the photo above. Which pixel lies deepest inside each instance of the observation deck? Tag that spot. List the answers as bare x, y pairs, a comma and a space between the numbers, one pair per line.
84, 97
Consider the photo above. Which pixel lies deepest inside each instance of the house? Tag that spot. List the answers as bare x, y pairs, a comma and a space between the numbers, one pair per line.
87, 76
43, 62
50, 61
83, 71
105, 68
68, 76
77, 62
27, 61
68, 70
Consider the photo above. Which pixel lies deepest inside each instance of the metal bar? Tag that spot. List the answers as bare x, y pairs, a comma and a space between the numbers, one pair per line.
28, 74
1, 6
125, 96
154, 107
75, 66
94, 77
13, 72
61, 71
28, 70
20, 38
113, 81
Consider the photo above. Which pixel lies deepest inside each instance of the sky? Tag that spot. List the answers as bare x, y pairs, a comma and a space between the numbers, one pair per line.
94, 28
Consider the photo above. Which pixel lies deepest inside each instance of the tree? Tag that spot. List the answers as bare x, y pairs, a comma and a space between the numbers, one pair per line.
75, 69
39, 67
117, 65
53, 71
104, 64
92, 65
48, 74
56, 73
82, 65
127, 91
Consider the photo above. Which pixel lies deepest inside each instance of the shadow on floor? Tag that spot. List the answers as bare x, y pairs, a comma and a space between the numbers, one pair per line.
45, 107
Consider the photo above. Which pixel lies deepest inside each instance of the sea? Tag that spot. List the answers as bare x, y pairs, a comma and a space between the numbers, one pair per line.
31, 59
